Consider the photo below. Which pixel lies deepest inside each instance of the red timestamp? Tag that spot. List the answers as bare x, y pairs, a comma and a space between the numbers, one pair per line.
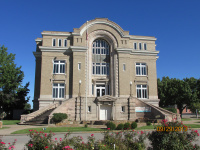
170, 129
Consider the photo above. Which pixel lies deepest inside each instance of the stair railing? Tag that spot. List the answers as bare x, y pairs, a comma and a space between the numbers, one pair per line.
30, 116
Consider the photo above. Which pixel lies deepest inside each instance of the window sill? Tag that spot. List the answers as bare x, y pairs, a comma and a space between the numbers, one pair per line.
59, 74
141, 76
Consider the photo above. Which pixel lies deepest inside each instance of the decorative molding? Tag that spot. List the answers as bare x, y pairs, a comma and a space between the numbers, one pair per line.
37, 54
56, 34
106, 98
144, 38
116, 77
38, 40
102, 22
144, 52
124, 50
78, 48
53, 49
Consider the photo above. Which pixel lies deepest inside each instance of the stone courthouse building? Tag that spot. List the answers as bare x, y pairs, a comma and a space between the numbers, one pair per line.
97, 72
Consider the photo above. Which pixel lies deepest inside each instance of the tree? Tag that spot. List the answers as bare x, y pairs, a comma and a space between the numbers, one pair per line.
177, 92
195, 106
12, 93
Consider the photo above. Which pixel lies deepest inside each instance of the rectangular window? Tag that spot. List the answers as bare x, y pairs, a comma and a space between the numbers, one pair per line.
123, 109
59, 42
124, 67
140, 46
59, 66
65, 43
135, 45
101, 68
142, 91
54, 42
89, 108
145, 46
141, 69
79, 66
98, 68
108, 89
92, 89
58, 90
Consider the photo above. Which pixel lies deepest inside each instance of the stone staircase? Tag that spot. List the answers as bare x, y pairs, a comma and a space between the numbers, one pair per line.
38, 117
67, 107
162, 113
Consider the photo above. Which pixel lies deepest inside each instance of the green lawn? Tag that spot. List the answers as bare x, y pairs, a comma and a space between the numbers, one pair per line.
10, 122
4, 128
58, 129
146, 127
193, 125
186, 119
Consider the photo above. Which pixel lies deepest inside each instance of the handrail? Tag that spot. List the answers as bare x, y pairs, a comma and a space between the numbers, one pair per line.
30, 116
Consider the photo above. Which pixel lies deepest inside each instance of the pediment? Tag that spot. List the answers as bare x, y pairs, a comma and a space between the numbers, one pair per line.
106, 98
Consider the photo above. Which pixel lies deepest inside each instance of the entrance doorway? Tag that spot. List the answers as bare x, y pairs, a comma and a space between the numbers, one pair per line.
100, 90
105, 112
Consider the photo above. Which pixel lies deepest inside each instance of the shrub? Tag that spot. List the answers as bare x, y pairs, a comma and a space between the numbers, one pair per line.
111, 125
127, 126
58, 117
171, 138
134, 125
10, 145
86, 125
120, 126
174, 110
148, 123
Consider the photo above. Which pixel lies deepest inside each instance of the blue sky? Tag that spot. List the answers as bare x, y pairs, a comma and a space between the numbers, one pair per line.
175, 24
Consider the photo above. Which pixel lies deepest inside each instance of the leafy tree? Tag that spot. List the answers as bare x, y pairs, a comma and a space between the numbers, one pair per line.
12, 93
194, 106
175, 91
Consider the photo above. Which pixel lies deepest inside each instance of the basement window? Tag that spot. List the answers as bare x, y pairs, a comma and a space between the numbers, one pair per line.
89, 108
123, 109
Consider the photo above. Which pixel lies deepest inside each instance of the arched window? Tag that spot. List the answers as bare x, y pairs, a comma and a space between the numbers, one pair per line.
100, 57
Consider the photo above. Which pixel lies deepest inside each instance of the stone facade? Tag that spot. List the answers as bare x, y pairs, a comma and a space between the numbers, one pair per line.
99, 70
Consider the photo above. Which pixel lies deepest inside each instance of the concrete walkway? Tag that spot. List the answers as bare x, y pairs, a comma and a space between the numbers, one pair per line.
13, 128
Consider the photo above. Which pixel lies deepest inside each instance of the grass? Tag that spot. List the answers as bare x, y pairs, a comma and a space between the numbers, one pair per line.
58, 129
10, 122
4, 128
146, 127
186, 119
193, 125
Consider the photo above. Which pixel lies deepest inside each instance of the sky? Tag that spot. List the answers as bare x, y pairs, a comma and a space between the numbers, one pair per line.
175, 24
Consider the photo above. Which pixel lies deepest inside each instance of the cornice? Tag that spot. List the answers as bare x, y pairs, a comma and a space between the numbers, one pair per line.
124, 50
37, 54
38, 40
53, 49
56, 34
144, 52
78, 48
143, 38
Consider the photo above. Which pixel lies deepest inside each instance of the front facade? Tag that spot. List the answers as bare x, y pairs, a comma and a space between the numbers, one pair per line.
98, 65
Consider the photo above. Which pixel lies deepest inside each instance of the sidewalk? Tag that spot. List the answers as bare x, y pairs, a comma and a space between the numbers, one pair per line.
13, 128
